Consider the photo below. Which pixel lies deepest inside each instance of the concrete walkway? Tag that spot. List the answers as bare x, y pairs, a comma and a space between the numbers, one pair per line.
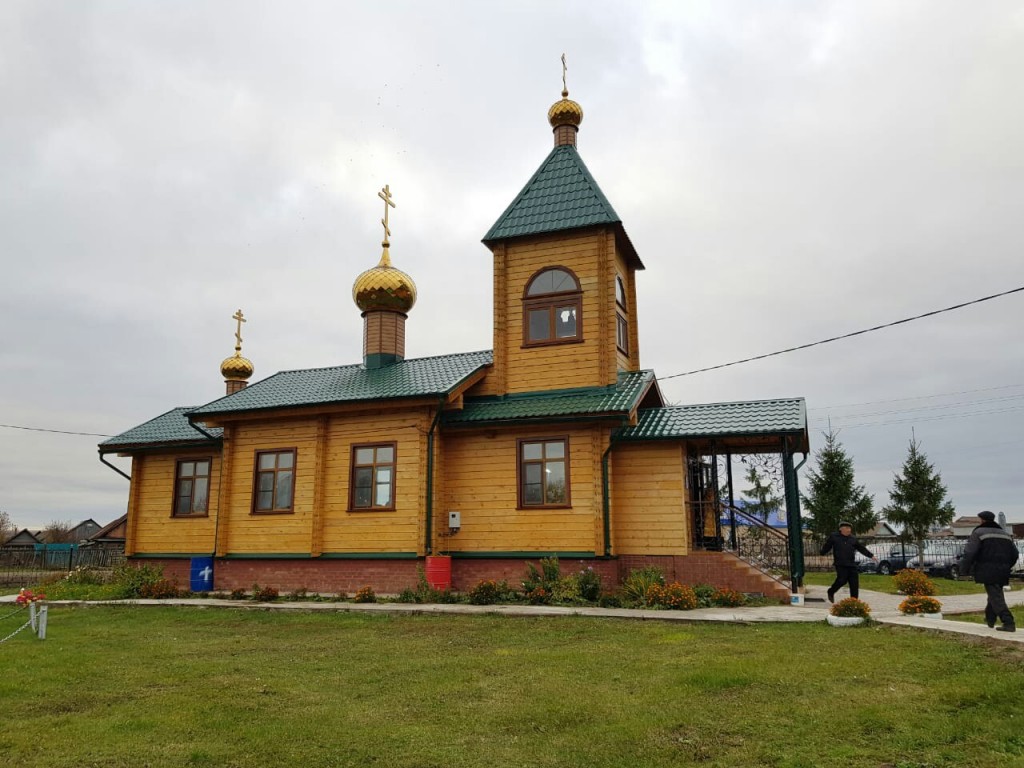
884, 609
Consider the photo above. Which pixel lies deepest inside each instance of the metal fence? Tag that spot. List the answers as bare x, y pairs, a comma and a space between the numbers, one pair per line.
26, 566
940, 555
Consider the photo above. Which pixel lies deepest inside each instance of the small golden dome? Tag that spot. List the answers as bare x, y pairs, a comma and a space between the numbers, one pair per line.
565, 112
384, 288
237, 368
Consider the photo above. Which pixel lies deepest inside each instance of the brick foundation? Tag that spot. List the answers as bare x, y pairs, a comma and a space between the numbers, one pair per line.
327, 576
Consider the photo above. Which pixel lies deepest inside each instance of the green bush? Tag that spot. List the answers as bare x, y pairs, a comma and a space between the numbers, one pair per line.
609, 600
407, 595
639, 581
566, 590
589, 584
132, 579
264, 594
546, 578
705, 595
299, 594
728, 598
486, 592
237, 594
163, 589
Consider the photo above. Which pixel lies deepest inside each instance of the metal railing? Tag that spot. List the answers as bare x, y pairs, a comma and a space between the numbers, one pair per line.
26, 566
754, 541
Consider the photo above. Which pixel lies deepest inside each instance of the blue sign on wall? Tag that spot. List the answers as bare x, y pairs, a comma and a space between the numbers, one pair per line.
201, 574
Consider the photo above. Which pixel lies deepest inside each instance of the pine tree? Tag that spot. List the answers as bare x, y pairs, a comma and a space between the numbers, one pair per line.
833, 496
760, 497
918, 498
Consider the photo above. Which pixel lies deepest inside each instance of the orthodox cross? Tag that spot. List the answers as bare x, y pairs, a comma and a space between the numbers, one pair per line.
385, 195
565, 88
238, 332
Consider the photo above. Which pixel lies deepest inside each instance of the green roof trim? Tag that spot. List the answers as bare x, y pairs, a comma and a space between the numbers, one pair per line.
617, 400
755, 417
422, 377
561, 195
171, 429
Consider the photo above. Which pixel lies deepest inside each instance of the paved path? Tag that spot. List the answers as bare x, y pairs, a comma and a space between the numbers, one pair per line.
883, 609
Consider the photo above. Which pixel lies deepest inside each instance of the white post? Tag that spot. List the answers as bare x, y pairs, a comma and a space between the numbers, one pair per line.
32, 615
42, 622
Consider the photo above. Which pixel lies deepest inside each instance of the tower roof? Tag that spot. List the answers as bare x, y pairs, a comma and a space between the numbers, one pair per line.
561, 195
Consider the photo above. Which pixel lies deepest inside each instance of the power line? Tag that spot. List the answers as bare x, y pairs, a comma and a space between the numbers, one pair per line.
847, 335
915, 397
55, 431
937, 407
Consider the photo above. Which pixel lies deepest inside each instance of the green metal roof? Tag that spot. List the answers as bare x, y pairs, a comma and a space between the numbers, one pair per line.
755, 417
619, 399
171, 428
422, 377
560, 195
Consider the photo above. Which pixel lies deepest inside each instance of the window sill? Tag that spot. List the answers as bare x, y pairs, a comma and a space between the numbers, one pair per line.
272, 512
543, 506
361, 510
550, 343
190, 516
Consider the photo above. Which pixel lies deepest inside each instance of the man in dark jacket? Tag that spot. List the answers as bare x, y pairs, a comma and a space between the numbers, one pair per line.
844, 547
990, 554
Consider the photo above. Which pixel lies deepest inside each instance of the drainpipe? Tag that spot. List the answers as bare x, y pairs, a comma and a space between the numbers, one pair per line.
606, 506
796, 544
122, 474
430, 477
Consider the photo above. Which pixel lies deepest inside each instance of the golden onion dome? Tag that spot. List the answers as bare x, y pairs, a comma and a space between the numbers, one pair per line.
384, 288
565, 112
237, 368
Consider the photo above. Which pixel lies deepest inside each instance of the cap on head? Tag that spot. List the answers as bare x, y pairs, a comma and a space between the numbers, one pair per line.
845, 524
987, 516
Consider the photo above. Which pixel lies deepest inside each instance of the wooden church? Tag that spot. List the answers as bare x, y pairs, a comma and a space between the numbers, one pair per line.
556, 442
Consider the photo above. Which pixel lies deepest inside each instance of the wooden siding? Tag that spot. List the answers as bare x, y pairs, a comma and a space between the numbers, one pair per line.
480, 482
648, 499
152, 528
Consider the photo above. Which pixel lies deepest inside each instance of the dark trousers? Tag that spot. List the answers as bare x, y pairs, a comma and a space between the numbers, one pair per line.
996, 608
847, 574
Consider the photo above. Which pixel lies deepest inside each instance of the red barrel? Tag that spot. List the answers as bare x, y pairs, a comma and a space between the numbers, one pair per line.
439, 572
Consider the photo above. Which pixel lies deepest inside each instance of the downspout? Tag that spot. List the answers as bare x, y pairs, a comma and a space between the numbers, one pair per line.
122, 474
429, 549
220, 477
606, 506
796, 548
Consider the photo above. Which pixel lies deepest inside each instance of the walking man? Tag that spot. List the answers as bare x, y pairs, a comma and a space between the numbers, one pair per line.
844, 547
990, 554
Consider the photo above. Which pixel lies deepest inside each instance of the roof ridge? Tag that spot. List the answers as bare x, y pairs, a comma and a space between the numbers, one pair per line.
360, 365
731, 402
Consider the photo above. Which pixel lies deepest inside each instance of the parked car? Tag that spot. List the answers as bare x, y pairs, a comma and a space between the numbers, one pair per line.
890, 559
941, 558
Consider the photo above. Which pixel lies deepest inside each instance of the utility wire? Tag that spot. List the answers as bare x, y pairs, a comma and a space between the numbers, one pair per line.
915, 397
847, 335
56, 431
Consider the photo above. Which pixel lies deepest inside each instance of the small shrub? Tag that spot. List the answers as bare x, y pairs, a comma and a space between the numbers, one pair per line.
566, 590
915, 604
639, 581
160, 590
407, 595
299, 594
851, 607
546, 578
538, 596
484, 593
705, 595
237, 594
339, 597
675, 596
728, 598
913, 583
86, 574
589, 582
130, 579
264, 594
609, 600
365, 595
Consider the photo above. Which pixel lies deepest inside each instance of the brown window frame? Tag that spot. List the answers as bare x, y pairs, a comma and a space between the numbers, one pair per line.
393, 464
520, 474
552, 302
275, 510
620, 283
177, 482
621, 333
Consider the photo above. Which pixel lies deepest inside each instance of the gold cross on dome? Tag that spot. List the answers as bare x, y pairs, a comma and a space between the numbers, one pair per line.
238, 331
565, 88
385, 195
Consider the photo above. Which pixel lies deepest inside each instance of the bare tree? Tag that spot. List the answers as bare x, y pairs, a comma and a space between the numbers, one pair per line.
7, 528
57, 532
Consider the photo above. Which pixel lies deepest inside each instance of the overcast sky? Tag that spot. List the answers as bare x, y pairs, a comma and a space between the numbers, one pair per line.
788, 172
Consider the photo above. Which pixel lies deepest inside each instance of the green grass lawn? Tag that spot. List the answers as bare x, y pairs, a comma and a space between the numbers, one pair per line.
879, 583
168, 686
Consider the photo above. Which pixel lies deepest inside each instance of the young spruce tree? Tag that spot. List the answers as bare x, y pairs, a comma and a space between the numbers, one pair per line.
917, 500
833, 496
760, 497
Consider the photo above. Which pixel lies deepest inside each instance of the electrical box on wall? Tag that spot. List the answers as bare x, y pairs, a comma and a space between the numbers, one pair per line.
454, 520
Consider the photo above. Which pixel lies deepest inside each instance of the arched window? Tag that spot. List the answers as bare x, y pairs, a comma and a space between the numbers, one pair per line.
552, 308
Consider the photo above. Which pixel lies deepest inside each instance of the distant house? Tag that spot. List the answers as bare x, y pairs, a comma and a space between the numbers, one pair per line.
83, 531
963, 526
23, 539
1017, 529
110, 536
882, 531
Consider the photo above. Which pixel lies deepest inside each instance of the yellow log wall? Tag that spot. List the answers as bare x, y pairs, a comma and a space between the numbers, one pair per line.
648, 497
154, 529
480, 482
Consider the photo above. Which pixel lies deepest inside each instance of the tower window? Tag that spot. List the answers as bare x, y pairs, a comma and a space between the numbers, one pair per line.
552, 308
620, 291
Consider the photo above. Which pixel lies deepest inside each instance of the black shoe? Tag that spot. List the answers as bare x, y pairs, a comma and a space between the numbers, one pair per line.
991, 623
831, 597
1007, 628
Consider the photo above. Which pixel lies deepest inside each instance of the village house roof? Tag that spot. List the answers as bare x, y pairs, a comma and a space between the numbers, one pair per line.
753, 418
171, 428
619, 399
560, 195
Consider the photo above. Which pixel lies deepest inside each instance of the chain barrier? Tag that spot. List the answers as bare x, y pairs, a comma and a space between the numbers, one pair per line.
26, 625
16, 610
